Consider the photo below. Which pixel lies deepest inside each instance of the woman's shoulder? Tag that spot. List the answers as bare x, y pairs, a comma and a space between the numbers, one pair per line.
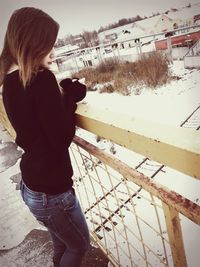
44, 82
11, 80
43, 77
45, 73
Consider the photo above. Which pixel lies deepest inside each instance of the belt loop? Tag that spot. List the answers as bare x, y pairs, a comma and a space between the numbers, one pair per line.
44, 196
22, 189
20, 185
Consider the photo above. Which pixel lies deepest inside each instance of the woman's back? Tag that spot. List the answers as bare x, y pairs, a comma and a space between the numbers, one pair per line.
43, 130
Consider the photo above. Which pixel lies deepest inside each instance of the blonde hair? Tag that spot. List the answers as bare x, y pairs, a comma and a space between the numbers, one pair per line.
30, 36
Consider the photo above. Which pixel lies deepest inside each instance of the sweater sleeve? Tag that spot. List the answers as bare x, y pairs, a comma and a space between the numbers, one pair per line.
76, 89
57, 124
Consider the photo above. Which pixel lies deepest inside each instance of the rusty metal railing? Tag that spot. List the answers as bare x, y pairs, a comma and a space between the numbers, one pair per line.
135, 220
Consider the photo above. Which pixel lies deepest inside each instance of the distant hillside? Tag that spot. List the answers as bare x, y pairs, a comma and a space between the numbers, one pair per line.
126, 21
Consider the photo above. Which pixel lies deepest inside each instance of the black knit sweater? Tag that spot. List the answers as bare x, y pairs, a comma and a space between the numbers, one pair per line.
44, 123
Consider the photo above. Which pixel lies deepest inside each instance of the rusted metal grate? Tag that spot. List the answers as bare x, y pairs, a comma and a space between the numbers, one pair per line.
127, 222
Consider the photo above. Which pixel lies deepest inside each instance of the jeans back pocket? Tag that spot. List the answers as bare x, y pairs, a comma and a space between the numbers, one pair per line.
69, 201
43, 220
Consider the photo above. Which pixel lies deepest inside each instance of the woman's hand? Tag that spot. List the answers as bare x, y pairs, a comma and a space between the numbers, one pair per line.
74, 87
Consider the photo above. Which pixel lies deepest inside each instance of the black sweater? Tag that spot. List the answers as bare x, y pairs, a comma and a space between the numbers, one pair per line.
44, 123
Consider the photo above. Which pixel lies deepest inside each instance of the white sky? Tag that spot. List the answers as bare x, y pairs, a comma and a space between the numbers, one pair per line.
75, 16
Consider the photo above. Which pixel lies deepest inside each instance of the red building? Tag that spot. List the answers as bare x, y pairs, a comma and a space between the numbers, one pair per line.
187, 39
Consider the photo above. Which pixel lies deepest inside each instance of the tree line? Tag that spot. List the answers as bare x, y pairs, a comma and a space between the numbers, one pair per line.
90, 38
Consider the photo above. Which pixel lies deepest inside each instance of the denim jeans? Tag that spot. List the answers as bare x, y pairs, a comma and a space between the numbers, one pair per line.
65, 221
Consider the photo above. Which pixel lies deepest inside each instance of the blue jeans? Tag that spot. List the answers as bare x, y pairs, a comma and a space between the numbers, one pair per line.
65, 221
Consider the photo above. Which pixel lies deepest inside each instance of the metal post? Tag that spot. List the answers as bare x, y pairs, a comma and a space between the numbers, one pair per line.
175, 236
169, 48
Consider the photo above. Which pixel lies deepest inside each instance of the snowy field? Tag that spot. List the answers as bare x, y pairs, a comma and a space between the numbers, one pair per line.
170, 103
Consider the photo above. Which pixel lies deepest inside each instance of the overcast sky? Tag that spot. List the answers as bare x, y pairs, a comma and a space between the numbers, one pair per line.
75, 16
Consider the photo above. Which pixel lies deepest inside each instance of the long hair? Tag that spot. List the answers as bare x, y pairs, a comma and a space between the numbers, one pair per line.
30, 36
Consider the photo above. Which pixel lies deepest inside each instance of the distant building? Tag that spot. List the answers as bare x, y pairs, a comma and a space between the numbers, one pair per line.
186, 16
65, 50
167, 22
182, 39
112, 34
179, 40
78, 40
156, 24
197, 19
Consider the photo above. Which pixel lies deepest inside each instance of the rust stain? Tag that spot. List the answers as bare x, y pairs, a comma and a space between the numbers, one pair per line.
170, 197
175, 224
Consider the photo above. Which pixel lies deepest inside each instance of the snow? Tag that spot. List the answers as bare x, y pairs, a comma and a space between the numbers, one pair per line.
185, 13
149, 23
169, 104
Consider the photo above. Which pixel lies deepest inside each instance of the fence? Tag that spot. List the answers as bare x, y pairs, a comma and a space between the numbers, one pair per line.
132, 218
192, 58
126, 49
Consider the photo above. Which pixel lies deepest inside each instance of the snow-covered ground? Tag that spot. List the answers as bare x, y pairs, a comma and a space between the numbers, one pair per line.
169, 104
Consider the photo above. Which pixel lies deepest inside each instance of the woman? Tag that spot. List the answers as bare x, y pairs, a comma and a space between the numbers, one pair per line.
44, 123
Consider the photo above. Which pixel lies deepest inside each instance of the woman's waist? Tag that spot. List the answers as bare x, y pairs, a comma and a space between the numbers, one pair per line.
39, 196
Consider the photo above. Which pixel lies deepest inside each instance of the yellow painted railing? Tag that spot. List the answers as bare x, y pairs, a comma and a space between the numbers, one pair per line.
132, 218
168, 145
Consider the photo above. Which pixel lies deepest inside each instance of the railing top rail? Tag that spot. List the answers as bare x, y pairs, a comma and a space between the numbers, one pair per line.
172, 146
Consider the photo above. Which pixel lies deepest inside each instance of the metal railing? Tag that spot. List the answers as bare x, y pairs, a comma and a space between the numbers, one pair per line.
132, 218
194, 50
192, 57
127, 49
